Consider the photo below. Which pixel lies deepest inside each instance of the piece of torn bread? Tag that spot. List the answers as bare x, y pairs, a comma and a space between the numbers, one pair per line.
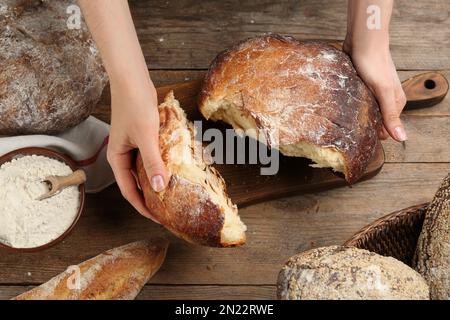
305, 97
117, 274
195, 205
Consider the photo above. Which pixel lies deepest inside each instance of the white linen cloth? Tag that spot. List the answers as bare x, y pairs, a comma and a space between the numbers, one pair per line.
86, 144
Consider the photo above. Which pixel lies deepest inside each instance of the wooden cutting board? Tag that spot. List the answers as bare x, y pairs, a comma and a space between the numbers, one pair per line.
245, 183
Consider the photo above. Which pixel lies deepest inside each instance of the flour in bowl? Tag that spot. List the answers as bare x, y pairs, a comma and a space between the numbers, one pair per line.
24, 221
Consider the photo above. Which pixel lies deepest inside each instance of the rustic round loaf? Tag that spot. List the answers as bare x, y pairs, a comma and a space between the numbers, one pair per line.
51, 77
346, 273
305, 96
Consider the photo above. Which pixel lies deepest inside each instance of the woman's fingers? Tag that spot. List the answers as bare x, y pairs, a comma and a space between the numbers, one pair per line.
153, 163
400, 97
389, 102
383, 134
121, 164
377, 70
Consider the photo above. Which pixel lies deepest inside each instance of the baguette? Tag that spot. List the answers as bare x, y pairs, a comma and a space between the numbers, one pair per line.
117, 274
195, 205
304, 96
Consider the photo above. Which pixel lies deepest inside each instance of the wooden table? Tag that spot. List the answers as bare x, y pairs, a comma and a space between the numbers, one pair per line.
179, 39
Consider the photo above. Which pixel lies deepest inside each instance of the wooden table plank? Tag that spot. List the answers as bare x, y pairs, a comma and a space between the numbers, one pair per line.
8, 292
428, 141
277, 230
188, 34
223, 292
184, 292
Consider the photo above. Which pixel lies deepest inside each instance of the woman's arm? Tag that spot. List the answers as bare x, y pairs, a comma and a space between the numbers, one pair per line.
135, 118
368, 44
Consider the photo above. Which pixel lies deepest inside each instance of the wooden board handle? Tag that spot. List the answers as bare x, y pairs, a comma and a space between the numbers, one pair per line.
425, 90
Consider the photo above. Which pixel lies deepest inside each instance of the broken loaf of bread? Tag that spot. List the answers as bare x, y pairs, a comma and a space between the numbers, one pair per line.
304, 96
195, 205
117, 274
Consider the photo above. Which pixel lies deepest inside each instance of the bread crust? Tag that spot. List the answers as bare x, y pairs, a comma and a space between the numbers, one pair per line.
303, 91
117, 274
432, 258
347, 273
51, 78
178, 207
184, 207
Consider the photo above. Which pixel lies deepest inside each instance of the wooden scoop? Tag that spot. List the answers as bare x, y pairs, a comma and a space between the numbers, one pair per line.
59, 183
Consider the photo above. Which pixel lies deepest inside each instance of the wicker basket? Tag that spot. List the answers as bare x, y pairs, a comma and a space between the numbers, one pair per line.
394, 235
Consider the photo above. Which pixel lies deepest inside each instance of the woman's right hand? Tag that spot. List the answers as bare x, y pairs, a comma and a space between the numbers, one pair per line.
375, 67
135, 125
369, 50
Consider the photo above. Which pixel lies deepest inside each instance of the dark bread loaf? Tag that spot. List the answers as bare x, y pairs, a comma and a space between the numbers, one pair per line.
50, 77
433, 248
195, 205
305, 96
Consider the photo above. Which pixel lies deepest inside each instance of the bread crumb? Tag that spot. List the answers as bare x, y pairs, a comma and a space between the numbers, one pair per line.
3, 8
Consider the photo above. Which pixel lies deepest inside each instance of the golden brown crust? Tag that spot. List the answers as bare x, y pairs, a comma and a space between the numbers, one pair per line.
347, 273
307, 90
185, 207
117, 274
